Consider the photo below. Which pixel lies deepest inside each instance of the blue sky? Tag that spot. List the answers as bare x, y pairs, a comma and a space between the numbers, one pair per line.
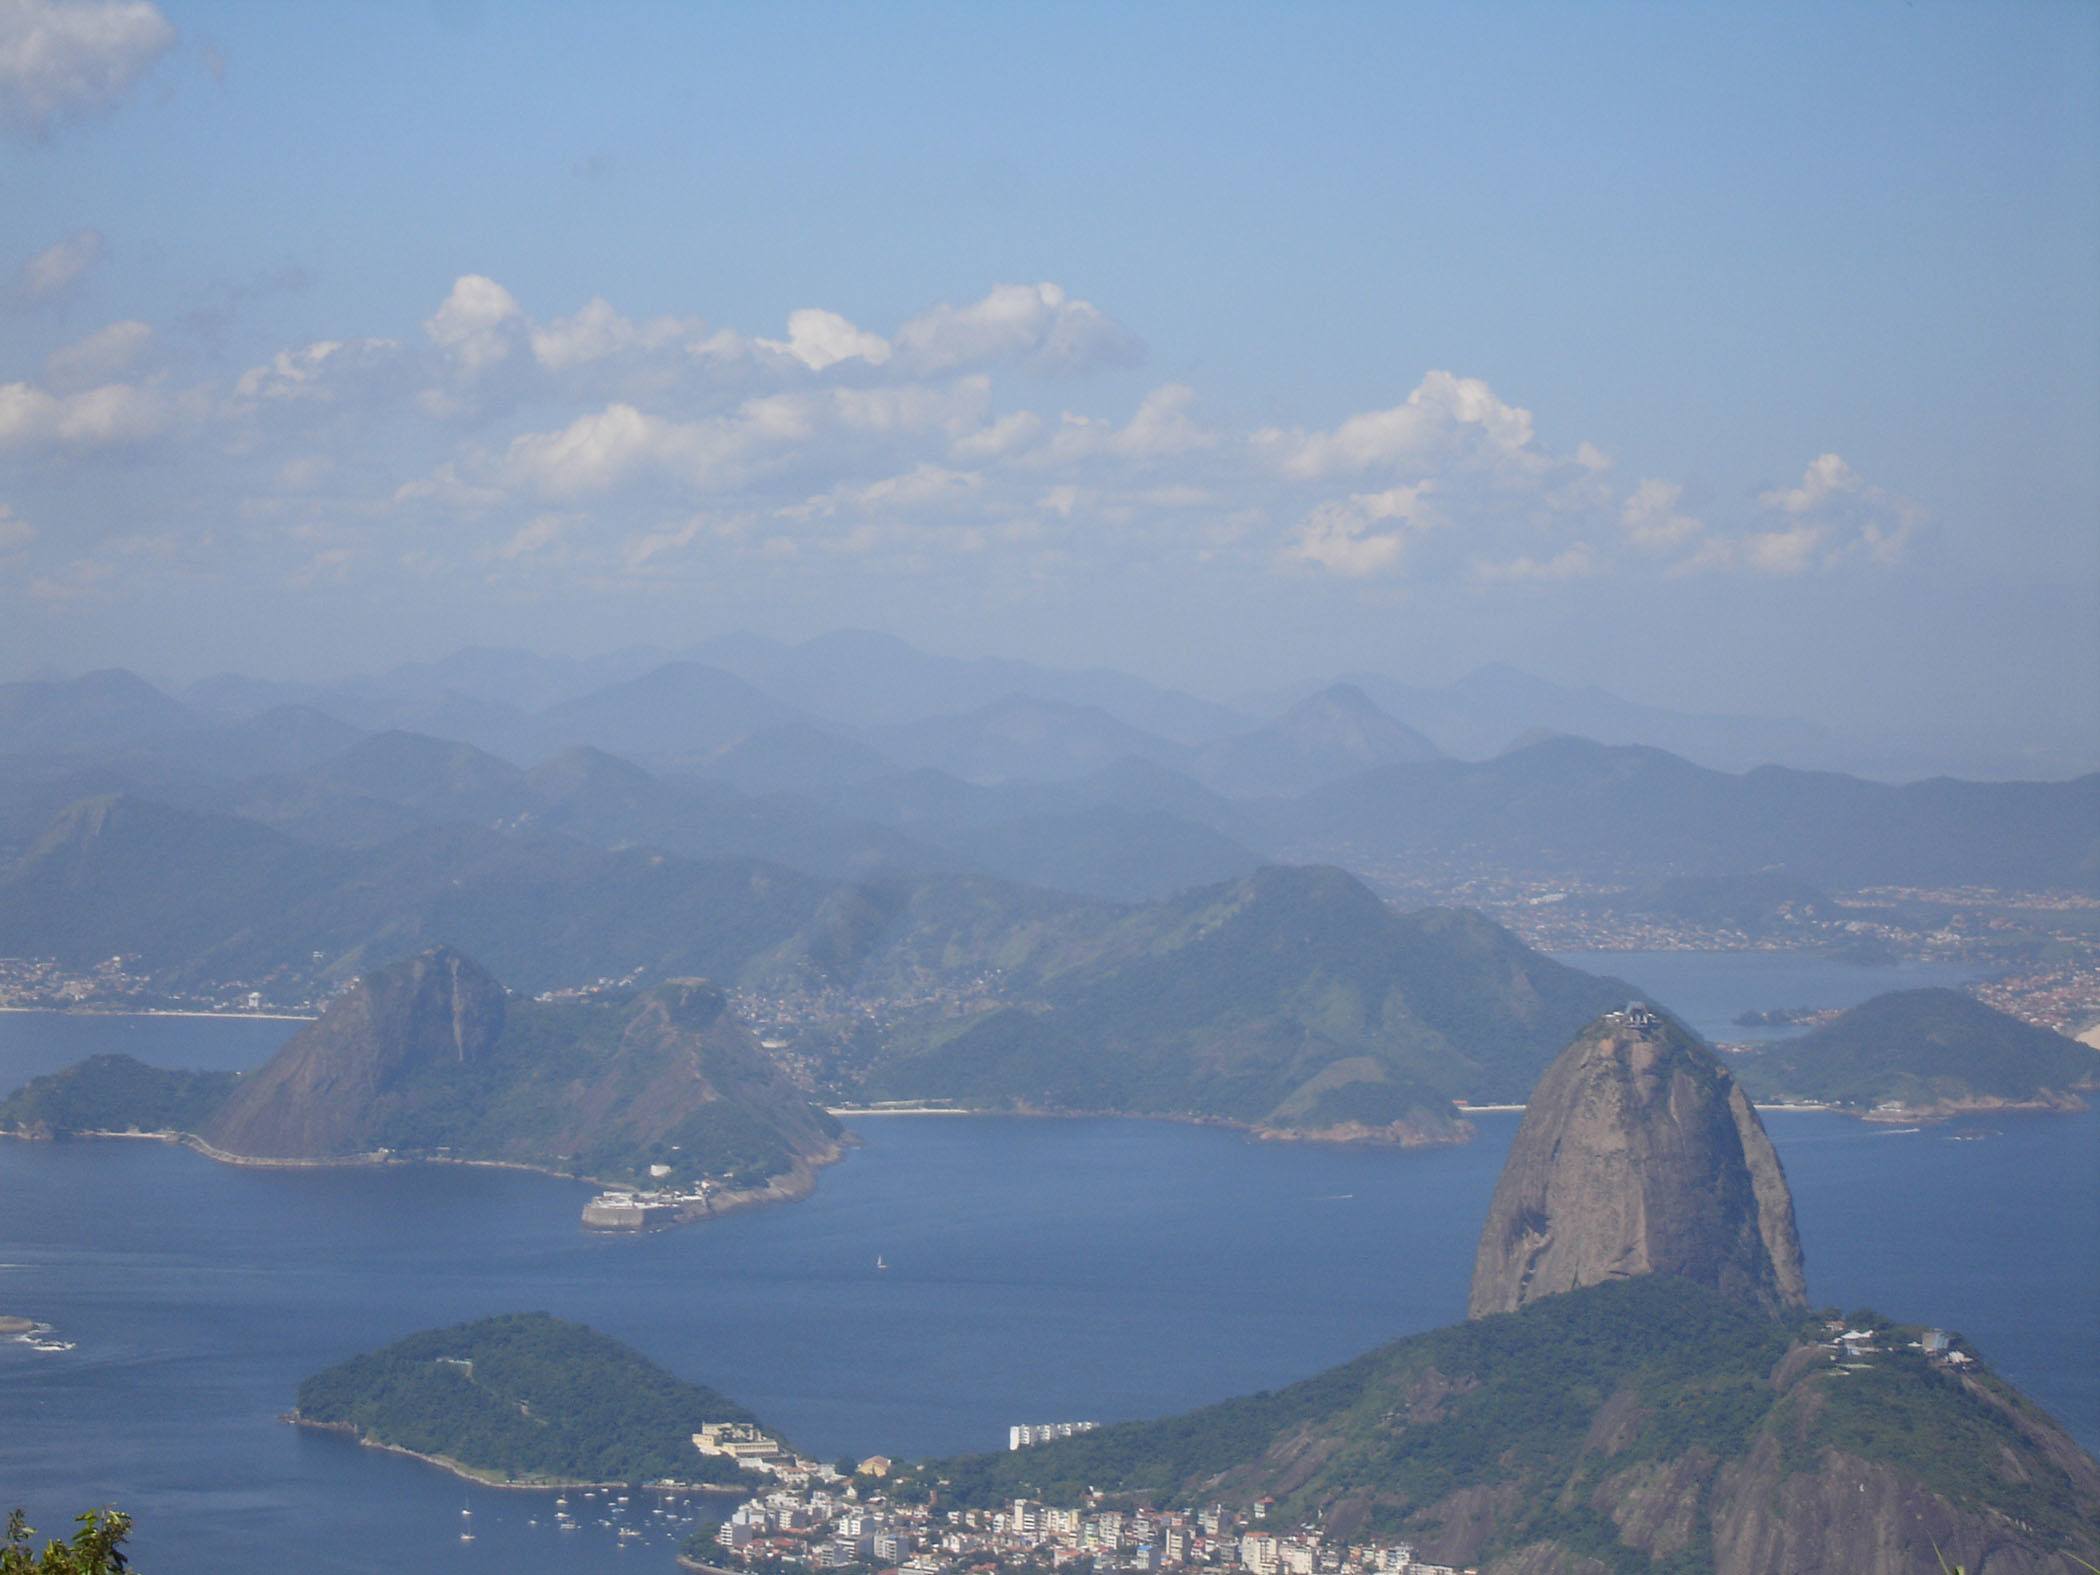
1742, 357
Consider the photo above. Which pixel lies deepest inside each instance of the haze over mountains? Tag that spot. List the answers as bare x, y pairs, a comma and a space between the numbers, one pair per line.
1033, 902
854, 751
854, 681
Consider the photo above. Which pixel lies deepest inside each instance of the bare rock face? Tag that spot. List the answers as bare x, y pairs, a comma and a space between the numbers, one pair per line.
1638, 1154
315, 1098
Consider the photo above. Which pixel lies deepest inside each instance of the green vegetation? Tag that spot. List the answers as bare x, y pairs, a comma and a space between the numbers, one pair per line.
699, 1544
427, 1058
96, 1549
114, 1093
1411, 1422
1901, 1409
1553, 1412
519, 1103
526, 1398
1293, 998
1921, 1049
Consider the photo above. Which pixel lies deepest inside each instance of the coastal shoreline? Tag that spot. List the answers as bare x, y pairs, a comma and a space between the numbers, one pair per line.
797, 1183
1350, 1135
482, 1478
149, 1011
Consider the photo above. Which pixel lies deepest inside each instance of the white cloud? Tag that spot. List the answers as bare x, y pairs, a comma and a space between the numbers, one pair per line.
1834, 514
1827, 476
817, 429
59, 266
447, 489
820, 339
1444, 420
1868, 521
478, 324
597, 332
1034, 324
65, 58
358, 371
997, 438
640, 550
1162, 428
1343, 537
593, 452
1786, 551
924, 488
536, 535
834, 440
114, 413
1651, 518
102, 355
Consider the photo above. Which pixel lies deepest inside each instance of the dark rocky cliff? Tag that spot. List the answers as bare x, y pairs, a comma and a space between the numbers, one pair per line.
322, 1094
426, 1057
1639, 1154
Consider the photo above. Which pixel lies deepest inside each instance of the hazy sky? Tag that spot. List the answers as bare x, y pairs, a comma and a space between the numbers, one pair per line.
1731, 356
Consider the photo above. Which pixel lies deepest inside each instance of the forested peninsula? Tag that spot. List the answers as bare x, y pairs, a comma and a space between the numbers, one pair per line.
525, 1400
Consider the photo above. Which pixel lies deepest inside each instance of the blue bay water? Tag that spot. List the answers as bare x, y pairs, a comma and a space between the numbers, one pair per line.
1708, 989
1040, 1270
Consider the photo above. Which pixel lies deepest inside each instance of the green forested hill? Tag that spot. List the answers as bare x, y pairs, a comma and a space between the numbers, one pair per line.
526, 1397
1645, 1424
1925, 1050
115, 1093
1293, 999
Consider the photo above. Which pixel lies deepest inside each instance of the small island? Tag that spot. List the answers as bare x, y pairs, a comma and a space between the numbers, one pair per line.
28, 1331
1920, 1055
529, 1400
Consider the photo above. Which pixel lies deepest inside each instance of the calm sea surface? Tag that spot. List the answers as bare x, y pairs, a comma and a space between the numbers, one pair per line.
1039, 1270
1708, 989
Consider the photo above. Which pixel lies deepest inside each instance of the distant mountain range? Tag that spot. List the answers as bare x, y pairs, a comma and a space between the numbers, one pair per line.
691, 758
1628, 813
1495, 708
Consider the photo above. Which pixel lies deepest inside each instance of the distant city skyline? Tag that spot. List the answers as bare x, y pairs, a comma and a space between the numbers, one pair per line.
1741, 361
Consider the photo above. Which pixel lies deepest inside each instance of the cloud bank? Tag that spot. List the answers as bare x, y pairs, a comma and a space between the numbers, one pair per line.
585, 451
69, 59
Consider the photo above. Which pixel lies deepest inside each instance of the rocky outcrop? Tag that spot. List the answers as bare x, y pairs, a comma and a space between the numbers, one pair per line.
319, 1095
1638, 1154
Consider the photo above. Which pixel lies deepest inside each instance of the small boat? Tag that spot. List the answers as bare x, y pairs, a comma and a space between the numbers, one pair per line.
466, 1536
879, 1264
